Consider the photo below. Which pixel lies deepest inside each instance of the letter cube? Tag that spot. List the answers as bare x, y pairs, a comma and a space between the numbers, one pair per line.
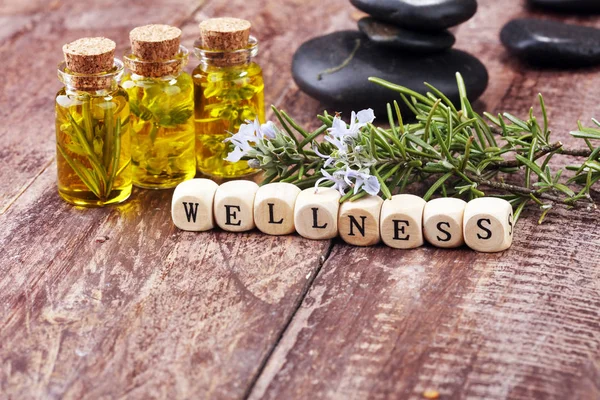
488, 224
192, 205
358, 221
443, 222
234, 205
316, 214
274, 208
402, 221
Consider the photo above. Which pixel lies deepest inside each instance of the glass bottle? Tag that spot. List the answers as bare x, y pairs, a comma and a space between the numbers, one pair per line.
229, 90
161, 98
92, 126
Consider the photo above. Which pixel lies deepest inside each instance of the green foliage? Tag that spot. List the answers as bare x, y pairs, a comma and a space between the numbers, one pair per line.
455, 151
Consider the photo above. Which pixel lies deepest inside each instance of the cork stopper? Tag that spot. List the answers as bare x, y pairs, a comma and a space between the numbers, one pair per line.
154, 51
89, 56
224, 33
155, 42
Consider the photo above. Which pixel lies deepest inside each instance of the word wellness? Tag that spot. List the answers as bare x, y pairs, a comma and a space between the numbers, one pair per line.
403, 222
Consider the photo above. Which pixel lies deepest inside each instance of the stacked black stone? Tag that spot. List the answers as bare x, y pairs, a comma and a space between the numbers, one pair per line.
406, 42
547, 43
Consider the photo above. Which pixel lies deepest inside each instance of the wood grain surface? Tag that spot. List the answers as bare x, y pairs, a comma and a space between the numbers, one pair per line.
118, 303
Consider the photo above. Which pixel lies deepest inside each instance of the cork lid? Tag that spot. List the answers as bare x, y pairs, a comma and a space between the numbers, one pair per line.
224, 33
155, 42
155, 51
90, 55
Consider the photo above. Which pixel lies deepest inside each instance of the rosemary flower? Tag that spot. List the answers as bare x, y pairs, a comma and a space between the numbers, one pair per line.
250, 132
338, 178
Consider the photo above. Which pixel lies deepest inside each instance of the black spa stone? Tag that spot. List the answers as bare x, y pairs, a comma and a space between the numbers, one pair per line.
552, 44
569, 6
422, 15
386, 34
318, 71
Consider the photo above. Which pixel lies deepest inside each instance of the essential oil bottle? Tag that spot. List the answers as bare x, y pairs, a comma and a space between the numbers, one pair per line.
228, 89
92, 125
161, 98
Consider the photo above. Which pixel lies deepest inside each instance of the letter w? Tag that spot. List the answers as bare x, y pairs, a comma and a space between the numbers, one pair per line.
191, 212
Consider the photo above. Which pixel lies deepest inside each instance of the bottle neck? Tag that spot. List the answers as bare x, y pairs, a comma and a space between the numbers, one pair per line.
226, 58
163, 69
109, 90
100, 84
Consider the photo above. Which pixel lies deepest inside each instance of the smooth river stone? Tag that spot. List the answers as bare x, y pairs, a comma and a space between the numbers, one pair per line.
419, 42
571, 6
423, 15
349, 89
552, 44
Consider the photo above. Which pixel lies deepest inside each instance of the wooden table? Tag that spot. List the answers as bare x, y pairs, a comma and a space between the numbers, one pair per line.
116, 302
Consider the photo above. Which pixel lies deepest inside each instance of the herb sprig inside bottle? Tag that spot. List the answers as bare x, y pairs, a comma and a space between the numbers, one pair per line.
92, 125
161, 98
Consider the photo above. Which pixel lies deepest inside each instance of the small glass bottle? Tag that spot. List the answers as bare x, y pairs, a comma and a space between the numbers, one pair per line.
92, 126
161, 98
228, 89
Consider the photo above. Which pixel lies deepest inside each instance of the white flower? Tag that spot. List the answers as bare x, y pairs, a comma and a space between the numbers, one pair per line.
328, 159
267, 131
371, 185
364, 180
250, 132
340, 143
339, 129
337, 178
236, 155
241, 141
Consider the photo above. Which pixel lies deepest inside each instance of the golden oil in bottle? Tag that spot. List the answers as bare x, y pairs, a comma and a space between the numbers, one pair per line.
161, 97
92, 126
229, 90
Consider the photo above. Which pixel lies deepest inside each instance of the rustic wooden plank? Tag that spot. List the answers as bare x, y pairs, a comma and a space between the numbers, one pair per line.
167, 313
116, 302
381, 323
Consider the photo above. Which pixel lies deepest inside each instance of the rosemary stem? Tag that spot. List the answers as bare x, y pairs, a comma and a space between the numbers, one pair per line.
520, 190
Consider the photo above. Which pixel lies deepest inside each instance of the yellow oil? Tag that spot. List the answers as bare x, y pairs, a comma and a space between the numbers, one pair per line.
93, 147
225, 98
162, 130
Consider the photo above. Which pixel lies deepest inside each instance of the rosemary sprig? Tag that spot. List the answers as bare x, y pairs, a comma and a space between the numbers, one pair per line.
95, 147
160, 115
455, 151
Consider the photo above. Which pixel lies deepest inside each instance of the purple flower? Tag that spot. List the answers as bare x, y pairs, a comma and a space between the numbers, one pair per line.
337, 178
250, 132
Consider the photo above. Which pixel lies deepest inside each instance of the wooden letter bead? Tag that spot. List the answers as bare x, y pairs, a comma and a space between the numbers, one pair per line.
488, 224
316, 214
274, 208
192, 205
402, 221
358, 221
443, 222
234, 206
